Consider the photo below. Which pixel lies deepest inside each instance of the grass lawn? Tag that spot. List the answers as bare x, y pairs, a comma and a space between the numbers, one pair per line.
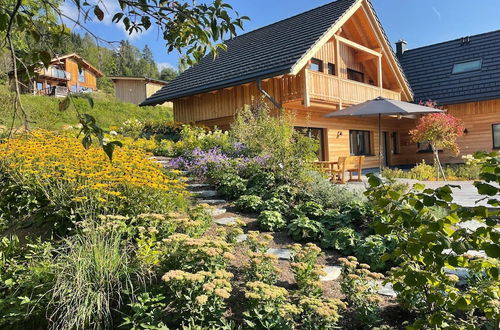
108, 111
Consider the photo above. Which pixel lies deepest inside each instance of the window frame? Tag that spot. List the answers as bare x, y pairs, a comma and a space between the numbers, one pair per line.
352, 71
81, 76
496, 147
369, 151
319, 63
309, 132
331, 66
395, 143
480, 60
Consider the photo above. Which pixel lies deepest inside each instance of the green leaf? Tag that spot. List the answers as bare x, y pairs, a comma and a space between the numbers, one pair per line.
87, 141
374, 181
109, 148
64, 104
492, 250
98, 13
485, 189
45, 57
462, 303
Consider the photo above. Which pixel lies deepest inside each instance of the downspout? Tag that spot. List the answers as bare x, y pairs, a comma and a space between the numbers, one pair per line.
269, 97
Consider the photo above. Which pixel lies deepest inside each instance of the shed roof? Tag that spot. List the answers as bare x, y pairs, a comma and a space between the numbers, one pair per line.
429, 69
145, 79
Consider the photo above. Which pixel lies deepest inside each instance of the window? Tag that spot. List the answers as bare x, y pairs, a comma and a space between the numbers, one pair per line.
467, 66
395, 142
73, 88
360, 142
424, 147
316, 65
81, 76
331, 69
355, 75
316, 133
496, 136
39, 86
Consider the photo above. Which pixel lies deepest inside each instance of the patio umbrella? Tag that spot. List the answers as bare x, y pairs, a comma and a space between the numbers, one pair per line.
382, 107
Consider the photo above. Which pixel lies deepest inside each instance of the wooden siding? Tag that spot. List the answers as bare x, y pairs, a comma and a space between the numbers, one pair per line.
72, 67
133, 91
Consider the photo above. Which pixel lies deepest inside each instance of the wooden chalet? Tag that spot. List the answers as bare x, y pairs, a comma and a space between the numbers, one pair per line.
65, 73
136, 89
463, 77
310, 64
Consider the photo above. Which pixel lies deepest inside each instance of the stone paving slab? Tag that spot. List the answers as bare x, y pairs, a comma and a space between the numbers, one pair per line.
462, 273
332, 273
226, 221
387, 290
214, 201
205, 193
283, 254
474, 253
241, 238
217, 211
198, 185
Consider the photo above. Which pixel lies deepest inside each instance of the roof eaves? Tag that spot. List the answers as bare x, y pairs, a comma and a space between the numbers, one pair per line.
155, 100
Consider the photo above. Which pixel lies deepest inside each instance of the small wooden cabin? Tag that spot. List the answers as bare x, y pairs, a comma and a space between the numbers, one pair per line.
66, 73
463, 77
136, 89
310, 64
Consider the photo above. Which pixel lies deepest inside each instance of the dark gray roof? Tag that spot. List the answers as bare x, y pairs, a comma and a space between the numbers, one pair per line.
429, 69
269, 51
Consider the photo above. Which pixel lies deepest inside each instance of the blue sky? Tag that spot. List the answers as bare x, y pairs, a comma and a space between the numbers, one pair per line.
419, 22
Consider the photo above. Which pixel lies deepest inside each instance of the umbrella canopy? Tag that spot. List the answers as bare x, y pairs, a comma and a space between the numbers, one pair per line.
382, 107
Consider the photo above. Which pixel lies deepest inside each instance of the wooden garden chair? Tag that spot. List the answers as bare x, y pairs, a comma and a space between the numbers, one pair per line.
338, 173
355, 165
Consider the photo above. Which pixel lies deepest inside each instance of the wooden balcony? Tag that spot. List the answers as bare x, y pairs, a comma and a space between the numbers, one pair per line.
328, 88
55, 73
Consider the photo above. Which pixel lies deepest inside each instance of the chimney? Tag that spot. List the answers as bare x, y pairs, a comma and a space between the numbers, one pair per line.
401, 47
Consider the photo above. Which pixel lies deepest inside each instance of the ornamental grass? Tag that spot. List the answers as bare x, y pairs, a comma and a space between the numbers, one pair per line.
83, 182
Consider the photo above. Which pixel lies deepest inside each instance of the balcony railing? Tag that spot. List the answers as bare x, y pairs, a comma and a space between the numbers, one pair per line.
55, 73
325, 87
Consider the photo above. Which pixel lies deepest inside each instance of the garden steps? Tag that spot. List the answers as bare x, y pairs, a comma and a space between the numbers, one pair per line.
226, 221
332, 273
205, 193
214, 201
194, 186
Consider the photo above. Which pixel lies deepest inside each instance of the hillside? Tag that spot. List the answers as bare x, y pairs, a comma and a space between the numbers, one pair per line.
44, 111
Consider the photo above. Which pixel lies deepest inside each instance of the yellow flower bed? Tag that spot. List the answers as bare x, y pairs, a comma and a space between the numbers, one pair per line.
68, 174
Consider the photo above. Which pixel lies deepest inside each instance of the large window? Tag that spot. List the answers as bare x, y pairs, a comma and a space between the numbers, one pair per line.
81, 76
355, 75
360, 142
316, 65
315, 133
467, 66
395, 142
496, 136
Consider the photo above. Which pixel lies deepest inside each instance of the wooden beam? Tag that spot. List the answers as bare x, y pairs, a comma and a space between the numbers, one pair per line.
307, 101
325, 38
337, 69
363, 57
357, 46
380, 74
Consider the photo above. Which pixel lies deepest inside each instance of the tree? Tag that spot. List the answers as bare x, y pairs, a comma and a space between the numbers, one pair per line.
441, 131
168, 74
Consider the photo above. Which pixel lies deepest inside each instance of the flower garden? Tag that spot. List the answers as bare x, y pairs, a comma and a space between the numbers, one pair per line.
93, 243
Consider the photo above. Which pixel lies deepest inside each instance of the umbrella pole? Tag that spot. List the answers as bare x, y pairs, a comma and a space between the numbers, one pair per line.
379, 144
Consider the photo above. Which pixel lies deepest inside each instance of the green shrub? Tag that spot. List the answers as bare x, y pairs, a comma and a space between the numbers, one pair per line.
305, 268
231, 186
261, 182
268, 307
271, 221
330, 196
423, 172
333, 219
26, 279
371, 249
303, 228
359, 286
319, 313
162, 129
262, 267
249, 203
343, 239
146, 312
310, 209
197, 299
275, 204
92, 275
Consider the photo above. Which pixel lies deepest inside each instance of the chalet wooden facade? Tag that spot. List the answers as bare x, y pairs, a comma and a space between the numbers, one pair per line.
320, 61
66, 73
136, 89
463, 77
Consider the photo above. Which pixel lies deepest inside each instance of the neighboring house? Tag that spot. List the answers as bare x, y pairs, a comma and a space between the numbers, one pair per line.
68, 72
136, 89
462, 76
310, 64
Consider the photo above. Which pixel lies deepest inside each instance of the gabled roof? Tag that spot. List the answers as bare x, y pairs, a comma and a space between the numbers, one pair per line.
266, 52
80, 60
429, 69
145, 79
